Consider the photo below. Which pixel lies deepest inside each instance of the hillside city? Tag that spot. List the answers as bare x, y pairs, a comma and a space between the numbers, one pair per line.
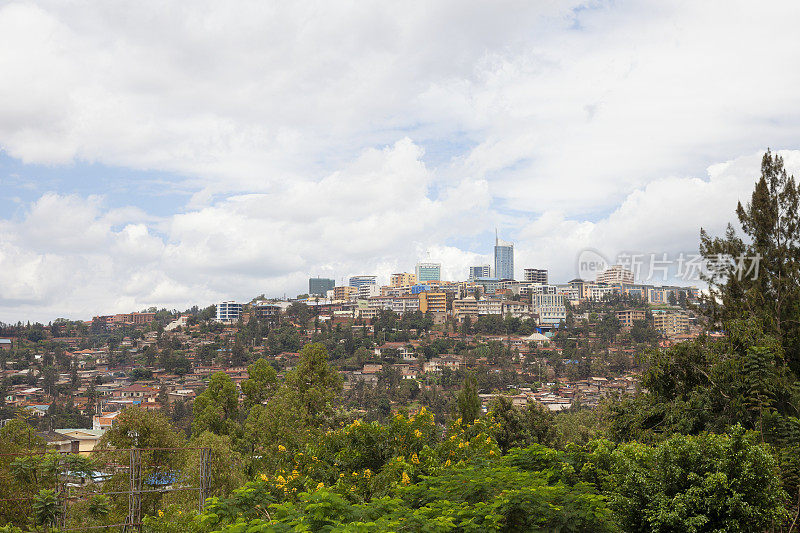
489, 404
411, 342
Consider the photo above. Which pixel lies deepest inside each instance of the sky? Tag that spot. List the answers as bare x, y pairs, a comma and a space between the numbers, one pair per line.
171, 154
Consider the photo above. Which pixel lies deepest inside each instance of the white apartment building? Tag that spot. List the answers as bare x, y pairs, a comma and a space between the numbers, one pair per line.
228, 311
615, 274
368, 291
490, 307
405, 304
549, 307
598, 292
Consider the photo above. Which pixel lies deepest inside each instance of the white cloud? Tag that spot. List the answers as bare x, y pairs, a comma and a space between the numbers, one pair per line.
245, 245
665, 216
301, 130
66, 257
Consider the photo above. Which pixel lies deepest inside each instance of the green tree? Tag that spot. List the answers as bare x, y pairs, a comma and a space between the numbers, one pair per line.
314, 381
299, 411
261, 384
216, 409
225, 464
698, 484
468, 401
533, 424
771, 291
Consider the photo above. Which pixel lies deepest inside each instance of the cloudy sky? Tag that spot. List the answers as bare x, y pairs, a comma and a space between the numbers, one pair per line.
156, 153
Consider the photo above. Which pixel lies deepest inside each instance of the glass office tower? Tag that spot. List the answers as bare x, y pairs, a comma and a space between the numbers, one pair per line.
503, 259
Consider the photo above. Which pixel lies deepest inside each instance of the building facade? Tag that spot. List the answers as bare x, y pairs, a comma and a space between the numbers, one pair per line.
433, 302
360, 281
428, 272
320, 286
402, 279
615, 274
549, 307
479, 271
344, 292
536, 275
629, 316
670, 323
503, 259
228, 311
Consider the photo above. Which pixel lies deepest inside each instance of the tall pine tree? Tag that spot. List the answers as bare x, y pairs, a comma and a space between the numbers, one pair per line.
771, 291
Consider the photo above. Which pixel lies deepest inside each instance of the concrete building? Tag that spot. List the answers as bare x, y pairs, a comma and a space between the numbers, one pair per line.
228, 311
490, 306
536, 275
368, 291
670, 323
268, 310
489, 285
360, 281
344, 292
405, 304
615, 274
465, 307
549, 307
503, 259
320, 286
479, 271
433, 302
628, 316
402, 279
428, 272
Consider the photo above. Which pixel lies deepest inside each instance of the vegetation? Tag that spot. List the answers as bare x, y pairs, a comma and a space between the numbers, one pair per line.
711, 442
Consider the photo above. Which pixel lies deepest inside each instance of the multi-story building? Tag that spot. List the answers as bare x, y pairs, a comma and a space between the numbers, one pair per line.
402, 279
320, 286
490, 306
367, 291
344, 292
489, 285
536, 275
465, 307
228, 311
515, 309
615, 274
405, 304
416, 289
428, 272
433, 302
669, 323
359, 281
133, 318
267, 310
569, 291
503, 259
599, 291
549, 307
629, 316
479, 271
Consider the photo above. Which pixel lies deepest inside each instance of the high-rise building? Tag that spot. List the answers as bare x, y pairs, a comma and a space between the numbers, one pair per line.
402, 279
428, 272
320, 286
615, 274
536, 275
360, 281
228, 311
503, 259
480, 271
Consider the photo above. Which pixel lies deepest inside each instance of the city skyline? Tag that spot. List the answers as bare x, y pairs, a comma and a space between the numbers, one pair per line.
131, 176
